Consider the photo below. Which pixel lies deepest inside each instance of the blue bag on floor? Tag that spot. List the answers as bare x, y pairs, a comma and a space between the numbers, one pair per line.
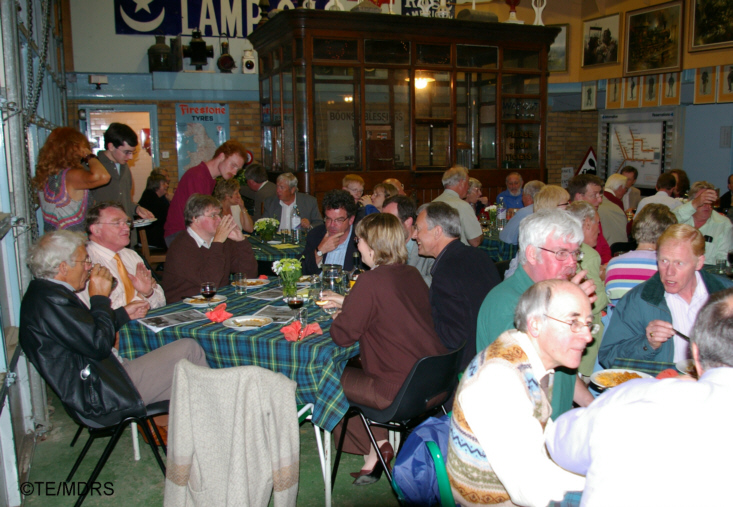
414, 472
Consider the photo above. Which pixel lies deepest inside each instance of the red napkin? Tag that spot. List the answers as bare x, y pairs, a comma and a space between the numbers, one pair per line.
668, 373
263, 277
291, 330
219, 314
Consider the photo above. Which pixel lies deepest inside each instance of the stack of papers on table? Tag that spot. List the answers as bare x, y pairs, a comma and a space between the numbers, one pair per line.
160, 322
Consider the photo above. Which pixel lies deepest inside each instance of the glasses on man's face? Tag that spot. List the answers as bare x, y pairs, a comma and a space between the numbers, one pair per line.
338, 221
576, 326
356, 191
563, 255
213, 215
594, 196
127, 153
87, 260
118, 223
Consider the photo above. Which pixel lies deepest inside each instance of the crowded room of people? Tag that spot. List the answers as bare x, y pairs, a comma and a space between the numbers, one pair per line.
366, 253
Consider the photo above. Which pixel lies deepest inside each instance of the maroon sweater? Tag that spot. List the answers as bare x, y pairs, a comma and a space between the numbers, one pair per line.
388, 313
187, 266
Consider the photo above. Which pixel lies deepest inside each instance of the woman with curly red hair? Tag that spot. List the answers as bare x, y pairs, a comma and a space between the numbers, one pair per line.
62, 180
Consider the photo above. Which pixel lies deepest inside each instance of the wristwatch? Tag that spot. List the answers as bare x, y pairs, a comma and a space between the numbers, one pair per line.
319, 253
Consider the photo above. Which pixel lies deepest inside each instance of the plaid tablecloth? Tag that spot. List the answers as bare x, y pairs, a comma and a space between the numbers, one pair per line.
267, 252
497, 249
651, 367
316, 363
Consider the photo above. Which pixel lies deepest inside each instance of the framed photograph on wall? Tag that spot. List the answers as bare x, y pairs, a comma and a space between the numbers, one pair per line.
588, 95
557, 58
711, 24
670, 93
601, 40
705, 85
654, 39
650, 91
614, 93
725, 83
631, 92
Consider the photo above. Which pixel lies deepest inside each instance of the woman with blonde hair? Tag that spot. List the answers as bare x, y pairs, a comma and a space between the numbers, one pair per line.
227, 191
62, 181
388, 313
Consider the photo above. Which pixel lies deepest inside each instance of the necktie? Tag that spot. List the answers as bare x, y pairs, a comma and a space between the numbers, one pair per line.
125, 279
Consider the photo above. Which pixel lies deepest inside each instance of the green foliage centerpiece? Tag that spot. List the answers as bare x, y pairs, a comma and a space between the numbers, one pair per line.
289, 271
266, 227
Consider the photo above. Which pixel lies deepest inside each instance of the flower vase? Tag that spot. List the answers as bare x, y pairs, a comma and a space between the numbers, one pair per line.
492, 220
267, 235
289, 282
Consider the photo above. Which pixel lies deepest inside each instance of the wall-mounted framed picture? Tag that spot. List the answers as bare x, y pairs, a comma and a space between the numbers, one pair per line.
654, 39
631, 91
588, 94
725, 83
557, 59
711, 24
670, 93
650, 90
601, 40
705, 85
614, 93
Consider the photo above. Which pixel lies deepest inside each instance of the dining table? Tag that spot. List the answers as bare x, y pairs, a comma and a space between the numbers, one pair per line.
496, 248
279, 247
315, 363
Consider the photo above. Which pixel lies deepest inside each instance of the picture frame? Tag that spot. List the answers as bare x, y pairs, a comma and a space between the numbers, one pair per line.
711, 25
725, 83
557, 58
614, 93
601, 40
705, 85
670, 93
650, 90
654, 39
632, 91
588, 96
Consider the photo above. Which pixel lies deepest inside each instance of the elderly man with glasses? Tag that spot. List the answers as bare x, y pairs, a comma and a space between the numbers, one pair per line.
549, 248
211, 248
108, 229
502, 408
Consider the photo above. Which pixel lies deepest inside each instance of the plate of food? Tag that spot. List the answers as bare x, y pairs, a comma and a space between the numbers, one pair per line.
304, 281
274, 242
605, 379
257, 282
142, 222
247, 322
200, 302
686, 366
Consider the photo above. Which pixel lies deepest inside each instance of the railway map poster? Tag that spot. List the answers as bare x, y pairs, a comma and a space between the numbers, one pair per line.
638, 145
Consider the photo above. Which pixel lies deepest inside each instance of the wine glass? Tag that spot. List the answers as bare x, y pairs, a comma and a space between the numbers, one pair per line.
322, 301
295, 302
208, 291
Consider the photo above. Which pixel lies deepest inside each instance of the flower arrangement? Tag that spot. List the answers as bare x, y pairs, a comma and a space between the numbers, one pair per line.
289, 271
266, 227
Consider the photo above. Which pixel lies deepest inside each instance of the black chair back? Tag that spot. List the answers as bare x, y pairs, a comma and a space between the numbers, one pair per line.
430, 383
501, 267
619, 248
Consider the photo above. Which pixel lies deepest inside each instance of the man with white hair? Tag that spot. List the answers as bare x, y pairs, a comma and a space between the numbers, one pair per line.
549, 248
510, 233
455, 182
611, 210
513, 193
397, 184
280, 206
610, 442
71, 345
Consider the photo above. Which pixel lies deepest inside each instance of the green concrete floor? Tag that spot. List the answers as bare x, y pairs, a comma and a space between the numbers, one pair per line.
134, 483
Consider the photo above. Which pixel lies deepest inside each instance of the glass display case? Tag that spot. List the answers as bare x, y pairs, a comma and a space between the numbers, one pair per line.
349, 92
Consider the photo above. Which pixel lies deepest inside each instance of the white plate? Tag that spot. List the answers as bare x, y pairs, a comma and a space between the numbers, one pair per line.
686, 366
247, 322
142, 222
594, 377
253, 283
274, 242
200, 302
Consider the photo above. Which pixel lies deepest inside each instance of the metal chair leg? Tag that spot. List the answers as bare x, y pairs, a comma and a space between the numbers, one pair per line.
100, 464
76, 437
376, 447
340, 447
83, 453
151, 441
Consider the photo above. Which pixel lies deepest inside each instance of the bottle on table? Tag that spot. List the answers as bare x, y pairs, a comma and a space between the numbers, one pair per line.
358, 270
295, 224
500, 214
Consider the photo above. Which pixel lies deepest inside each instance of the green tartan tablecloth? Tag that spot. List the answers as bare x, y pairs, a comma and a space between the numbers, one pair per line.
651, 367
497, 249
266, 252
316, 363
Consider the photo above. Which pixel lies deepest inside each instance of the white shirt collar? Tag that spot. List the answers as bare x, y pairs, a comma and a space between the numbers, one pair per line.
199, 241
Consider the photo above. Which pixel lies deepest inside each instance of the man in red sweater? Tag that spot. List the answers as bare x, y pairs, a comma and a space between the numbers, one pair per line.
228, 160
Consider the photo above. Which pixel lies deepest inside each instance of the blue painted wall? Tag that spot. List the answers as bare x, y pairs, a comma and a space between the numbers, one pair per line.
704, 158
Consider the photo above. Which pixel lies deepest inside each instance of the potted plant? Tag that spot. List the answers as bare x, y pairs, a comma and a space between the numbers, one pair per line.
266, 227
289, 271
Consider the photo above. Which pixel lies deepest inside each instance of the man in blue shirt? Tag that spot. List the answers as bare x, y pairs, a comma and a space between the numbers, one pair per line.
332, 242
513, 193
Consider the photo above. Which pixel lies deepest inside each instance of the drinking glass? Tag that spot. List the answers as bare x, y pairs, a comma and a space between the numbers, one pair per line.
208, 291
321, 301
303, 319
240, 283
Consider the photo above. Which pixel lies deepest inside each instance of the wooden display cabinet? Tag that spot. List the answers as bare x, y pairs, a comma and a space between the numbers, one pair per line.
401, 96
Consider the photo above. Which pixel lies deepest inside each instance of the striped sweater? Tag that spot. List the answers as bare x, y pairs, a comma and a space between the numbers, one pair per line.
629, 270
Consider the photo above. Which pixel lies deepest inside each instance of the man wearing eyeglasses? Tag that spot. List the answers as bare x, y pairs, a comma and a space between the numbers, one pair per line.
333, 241
108, 229
549, 248
589, 188
120, 142
504, 400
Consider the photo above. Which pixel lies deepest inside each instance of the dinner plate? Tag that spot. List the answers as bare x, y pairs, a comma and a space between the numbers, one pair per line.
686, 366
594, 377
247, 322
253, 283
142, 222
274, 242
200, 302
